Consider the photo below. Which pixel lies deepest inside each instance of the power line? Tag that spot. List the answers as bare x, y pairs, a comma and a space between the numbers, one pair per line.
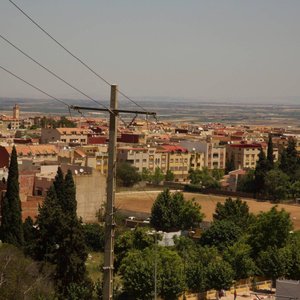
56, 76
72, 54
35, 87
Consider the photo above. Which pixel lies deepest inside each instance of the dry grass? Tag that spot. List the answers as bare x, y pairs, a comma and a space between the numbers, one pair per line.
142, 202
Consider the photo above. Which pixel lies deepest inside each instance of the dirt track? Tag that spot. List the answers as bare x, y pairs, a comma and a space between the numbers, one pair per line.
142, 202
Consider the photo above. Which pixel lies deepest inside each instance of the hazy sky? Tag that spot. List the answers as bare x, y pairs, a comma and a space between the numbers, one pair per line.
226, 49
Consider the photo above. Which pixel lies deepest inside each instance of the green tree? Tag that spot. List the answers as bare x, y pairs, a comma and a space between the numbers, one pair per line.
221, 235
169, 176
172, 277
219, 275
158, 176
294, 246
270, 154
71, 257
127, 175
196, 260
246, 183
94, 236
171, 212
203, 178
146, 175
260, 173
60, 238
289, 162
236, 211
229, 166
274, 262
295, 189
69, 203
239, 257
217, 174
59, 185
51, 229
64, 122
271, 229
137, 239
277, 184
11, 223
190, 214
30, 235
137, 270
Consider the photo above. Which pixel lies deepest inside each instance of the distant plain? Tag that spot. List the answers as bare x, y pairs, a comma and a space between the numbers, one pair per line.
179, 110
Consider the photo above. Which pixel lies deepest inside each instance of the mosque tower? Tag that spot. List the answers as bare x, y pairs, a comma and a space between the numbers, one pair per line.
16, 112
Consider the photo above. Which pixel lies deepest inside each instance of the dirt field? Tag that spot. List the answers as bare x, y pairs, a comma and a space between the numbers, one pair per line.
142, 202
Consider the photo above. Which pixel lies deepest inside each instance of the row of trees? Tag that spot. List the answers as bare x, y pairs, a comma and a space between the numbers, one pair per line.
206, 178
127, 175
238, 245
278, 180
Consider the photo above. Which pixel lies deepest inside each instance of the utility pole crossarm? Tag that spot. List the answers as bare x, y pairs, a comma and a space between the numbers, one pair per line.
115, 111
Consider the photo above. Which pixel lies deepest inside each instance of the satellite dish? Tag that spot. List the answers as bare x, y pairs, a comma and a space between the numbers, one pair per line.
81, 170
76, 172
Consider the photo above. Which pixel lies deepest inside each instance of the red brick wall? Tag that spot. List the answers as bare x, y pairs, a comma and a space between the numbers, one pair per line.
26, 185
4, 157
30, 207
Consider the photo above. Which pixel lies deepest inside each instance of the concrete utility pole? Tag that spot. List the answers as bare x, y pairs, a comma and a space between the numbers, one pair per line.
111, 185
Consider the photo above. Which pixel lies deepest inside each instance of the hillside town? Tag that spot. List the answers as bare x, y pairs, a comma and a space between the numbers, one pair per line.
62, 167
146, 145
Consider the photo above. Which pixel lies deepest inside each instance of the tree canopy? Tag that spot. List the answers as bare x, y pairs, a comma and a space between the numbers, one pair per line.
236, 211
60, 239
127, 174
11, 223
137, 269
203, 178
172, 212
270, 229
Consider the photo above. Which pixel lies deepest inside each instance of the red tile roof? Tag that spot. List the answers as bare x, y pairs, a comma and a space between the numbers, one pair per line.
27, 150
173, 148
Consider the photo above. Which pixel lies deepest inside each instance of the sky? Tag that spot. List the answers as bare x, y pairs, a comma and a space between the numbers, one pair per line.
246, 51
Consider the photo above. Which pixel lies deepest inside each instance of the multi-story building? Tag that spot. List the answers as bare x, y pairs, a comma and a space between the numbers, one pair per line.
245, 155
214, 154
65, 135
178, 161
144, 158
197, 161
165, 157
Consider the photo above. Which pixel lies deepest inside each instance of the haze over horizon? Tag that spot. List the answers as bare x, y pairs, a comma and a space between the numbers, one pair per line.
227, 51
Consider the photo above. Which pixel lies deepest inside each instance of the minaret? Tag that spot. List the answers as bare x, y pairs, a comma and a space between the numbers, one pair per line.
16, 112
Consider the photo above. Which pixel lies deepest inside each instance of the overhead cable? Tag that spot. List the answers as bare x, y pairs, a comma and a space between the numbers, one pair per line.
72, 54
35, 87
57, 76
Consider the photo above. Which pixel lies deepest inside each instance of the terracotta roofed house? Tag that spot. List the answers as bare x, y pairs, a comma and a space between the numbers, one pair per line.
35, 153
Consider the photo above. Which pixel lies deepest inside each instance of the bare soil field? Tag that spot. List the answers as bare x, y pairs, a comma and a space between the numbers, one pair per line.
142, 202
